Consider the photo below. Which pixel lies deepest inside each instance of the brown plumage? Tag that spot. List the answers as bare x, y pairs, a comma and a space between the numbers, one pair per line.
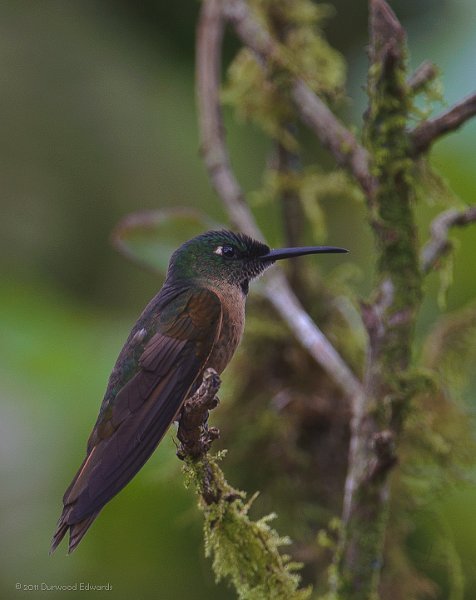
195, 322
130, 427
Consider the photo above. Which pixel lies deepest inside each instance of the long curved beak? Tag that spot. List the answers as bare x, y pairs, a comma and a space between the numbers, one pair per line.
281, 253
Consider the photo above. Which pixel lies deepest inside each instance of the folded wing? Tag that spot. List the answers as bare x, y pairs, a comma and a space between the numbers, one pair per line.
135, 421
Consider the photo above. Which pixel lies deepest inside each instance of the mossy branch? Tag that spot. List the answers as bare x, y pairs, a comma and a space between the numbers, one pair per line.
244, 552
217, 161
439, 244
423, 75
389, 317
428, 132
312, 110
384, 167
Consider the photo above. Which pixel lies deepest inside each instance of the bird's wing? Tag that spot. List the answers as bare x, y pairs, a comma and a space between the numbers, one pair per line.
129, 430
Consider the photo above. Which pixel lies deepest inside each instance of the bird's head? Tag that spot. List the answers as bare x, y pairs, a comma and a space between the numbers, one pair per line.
233, 258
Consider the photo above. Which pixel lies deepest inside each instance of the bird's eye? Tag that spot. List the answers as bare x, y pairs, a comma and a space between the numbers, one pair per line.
226, 251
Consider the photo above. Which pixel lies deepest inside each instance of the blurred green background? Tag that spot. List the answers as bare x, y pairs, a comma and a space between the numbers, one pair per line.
98, 120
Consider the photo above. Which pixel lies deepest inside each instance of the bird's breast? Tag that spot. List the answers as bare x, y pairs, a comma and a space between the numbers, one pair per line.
231, 331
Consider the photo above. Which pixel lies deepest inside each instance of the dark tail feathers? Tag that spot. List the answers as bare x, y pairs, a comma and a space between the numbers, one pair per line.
76, 533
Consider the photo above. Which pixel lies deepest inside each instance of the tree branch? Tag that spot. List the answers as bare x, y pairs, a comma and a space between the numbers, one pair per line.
288, 164
213, 150
422, 75
333, 135
389, 319
428, 132
310, 336
313, 111
215, 154
231, 537
194, 434
439, 245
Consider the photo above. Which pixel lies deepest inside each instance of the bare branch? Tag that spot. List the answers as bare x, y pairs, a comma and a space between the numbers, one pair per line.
439, 244
428, 132
386, 33
214, 151
309, 335
217, 161
422, 75
194, 434
287, 164
332, 134
313, 111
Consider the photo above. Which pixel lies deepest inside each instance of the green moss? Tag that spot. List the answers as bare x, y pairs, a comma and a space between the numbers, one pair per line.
426, 96
262, 95
360, 581
393, 217
433, 188
311, 187
245, 552
259, 99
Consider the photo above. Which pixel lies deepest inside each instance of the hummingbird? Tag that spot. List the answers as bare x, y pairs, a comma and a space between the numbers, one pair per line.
196, 321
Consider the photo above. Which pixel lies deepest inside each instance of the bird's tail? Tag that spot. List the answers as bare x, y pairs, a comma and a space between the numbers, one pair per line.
76, 530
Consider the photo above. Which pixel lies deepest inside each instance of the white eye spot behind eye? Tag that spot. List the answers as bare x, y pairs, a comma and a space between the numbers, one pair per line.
218, 250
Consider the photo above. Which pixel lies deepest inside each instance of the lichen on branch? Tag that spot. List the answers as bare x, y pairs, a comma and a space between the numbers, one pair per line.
271, 84
245, 552
389, 316
260, 90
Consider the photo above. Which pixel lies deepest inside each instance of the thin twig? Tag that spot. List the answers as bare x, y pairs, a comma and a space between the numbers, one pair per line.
428, 132
287, 165
277, 290
193, 432
196, 437
309, 334
439, 244
333, 135
331, 132
423, 74
214, 152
